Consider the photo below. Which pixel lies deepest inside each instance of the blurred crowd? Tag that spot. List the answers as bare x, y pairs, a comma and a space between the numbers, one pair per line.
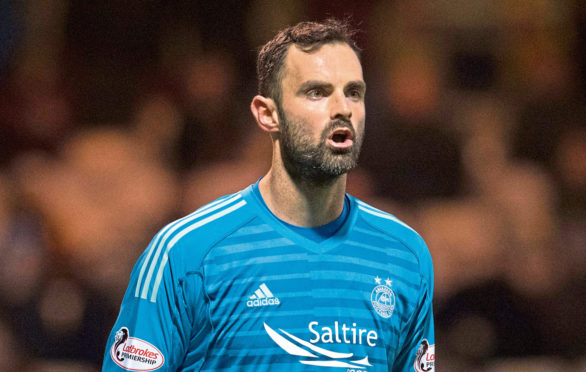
117, 117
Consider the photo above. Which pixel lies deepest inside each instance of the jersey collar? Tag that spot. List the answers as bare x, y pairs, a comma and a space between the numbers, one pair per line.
315, 246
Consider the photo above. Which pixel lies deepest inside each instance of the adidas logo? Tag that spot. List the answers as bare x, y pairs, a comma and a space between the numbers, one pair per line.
262, 297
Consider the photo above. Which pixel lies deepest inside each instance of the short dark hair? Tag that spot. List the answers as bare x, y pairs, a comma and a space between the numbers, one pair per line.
308, 36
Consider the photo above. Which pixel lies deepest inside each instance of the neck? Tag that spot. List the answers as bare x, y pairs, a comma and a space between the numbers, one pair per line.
302, 202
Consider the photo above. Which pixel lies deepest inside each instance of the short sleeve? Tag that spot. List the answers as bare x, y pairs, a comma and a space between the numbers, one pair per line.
157, 332
417, 347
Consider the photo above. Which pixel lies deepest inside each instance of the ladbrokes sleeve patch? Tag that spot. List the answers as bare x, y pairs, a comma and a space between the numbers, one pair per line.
425, 358
134, 354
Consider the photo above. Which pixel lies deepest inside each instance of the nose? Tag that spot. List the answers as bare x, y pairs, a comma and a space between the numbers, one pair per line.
340, 107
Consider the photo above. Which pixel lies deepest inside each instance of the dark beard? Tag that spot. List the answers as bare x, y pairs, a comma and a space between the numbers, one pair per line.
319, 164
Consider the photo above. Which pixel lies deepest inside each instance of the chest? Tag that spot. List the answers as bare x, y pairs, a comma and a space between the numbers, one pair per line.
308, 311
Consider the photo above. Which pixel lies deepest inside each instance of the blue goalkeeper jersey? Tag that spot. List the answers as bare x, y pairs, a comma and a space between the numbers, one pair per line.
232, 288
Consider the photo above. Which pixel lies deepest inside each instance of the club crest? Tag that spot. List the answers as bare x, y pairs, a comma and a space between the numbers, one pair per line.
382, 298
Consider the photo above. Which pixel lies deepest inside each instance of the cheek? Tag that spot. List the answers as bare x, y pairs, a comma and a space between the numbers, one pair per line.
358, 118
306, 111
361, 116
311, 120
359, 125
360, 110
315, 115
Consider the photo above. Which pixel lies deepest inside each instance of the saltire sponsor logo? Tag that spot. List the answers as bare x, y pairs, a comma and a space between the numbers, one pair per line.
425, 357
320, 357
134, 354
262, 297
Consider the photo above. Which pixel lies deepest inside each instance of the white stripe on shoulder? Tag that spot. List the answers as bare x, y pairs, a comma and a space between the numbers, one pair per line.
215, 202
205, 221
377, 212
181, 234
164, 235
148, 257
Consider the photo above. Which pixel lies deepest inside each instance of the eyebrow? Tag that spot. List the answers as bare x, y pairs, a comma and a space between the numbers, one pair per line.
357, 84
310, 84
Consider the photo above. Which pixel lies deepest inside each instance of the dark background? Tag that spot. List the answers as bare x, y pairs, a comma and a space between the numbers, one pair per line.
118, 116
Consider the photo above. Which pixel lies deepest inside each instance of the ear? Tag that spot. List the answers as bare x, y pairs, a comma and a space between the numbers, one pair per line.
264, 111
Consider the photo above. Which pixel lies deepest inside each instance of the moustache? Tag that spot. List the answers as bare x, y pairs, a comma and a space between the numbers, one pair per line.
337, 124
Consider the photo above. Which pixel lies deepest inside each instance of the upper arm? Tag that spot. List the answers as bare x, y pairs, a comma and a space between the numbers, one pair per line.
157, 332
417, 344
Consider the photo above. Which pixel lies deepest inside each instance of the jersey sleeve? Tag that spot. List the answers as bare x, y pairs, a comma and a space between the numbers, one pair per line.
161, 318
417, 343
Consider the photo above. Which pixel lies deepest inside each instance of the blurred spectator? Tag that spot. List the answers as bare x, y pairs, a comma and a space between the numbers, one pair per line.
10, 355
157, 124
35, 113
527, 279
467, 241
213, 127
570, 173
23, 244
115, 197
265, 17
110, 49
250, 161
35, 109
100, 198
543, 74
520, 192
410, 144
23, 249
475, 132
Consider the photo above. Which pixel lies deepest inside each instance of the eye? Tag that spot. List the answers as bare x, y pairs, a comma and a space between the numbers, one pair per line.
315, 93
355, 94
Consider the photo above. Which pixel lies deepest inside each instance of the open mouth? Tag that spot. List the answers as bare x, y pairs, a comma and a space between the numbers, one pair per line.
341, 138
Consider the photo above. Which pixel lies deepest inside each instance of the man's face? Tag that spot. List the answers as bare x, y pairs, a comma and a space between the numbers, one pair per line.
322, 112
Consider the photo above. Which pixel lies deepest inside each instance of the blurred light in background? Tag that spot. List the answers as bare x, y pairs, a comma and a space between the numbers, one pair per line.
117, 117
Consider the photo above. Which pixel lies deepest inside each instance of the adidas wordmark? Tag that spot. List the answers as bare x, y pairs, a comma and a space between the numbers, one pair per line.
262, 297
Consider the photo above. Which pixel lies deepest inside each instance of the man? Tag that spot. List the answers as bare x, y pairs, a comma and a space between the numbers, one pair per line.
290, 274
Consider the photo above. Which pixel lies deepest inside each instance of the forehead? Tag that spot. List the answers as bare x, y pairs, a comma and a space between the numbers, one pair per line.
335, 63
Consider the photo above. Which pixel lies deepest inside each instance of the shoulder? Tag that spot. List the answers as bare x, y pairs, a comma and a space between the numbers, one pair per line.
179, 248
185, 242
191, 236
393, 228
